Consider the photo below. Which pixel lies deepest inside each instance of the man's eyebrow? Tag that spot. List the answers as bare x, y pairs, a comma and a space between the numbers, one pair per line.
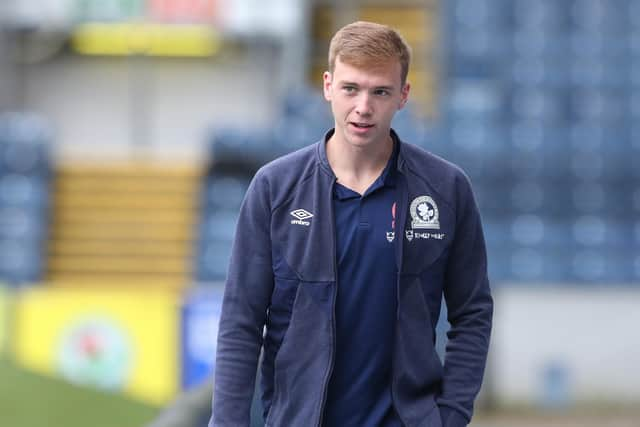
389, 88
348, 83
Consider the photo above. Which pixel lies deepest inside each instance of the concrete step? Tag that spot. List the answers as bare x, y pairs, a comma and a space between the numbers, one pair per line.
119, 264
78, 248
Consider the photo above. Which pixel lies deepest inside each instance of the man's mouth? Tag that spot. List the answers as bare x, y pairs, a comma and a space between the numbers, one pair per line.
362, 125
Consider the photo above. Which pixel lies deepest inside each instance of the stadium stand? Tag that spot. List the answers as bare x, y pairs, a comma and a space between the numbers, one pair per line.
25, 180
123, 224
538, 106
539, 110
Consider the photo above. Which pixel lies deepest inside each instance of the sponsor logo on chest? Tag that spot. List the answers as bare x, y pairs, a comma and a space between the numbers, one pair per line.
301, 216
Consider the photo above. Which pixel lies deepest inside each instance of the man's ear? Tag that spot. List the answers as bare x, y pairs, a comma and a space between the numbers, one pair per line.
327, 80
404, 95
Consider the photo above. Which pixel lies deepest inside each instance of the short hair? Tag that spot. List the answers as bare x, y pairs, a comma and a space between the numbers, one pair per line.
367, 44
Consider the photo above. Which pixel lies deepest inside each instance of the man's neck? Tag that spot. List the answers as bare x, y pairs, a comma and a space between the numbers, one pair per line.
358, 167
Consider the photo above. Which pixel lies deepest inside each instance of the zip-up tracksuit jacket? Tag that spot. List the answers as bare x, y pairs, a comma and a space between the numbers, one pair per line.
281, 290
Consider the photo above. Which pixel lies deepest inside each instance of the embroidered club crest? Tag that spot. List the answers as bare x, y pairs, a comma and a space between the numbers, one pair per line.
424, 213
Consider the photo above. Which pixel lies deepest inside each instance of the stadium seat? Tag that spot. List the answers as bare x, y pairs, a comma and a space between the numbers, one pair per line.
20, 261
474, 99
536, 43
219, 225
551, 72
292, 133
596, 72
221, 196
212, 261
239, 150
24, 145
602, 265
543, 15
599, 16
479, 148
23, 191
596, 105
308, 104
538, 104
22, 223
223, 192
634, 266
477, 13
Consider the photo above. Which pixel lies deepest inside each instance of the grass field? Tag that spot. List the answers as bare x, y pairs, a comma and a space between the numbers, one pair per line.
629, 418
29, 400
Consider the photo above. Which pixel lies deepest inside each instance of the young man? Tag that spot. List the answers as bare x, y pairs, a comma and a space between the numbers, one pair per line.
343, 252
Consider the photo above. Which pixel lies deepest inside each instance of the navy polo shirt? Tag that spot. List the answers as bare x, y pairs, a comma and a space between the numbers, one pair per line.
359, 392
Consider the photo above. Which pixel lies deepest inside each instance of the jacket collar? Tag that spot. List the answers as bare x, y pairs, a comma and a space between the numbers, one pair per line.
324, 161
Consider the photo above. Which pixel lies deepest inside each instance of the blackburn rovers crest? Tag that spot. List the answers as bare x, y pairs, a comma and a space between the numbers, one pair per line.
424, 213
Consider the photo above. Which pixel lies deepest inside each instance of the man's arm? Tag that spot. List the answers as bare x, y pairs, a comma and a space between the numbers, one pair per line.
246, 299
470, 312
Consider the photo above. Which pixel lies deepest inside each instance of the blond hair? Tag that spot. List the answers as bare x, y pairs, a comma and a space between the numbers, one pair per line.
368, 44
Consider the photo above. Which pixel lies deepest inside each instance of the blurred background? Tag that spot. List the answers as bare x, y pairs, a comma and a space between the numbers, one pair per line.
130, 129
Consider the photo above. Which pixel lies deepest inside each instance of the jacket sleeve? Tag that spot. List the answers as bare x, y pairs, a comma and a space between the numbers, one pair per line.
247, 294
470, 311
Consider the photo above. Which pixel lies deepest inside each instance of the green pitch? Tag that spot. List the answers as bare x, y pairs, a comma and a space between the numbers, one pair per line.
30, 400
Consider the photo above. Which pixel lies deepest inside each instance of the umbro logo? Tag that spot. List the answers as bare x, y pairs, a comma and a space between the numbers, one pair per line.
301, 215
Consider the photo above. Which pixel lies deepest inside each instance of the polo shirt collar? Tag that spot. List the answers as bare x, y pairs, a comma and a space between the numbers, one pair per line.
324, 161
386, 179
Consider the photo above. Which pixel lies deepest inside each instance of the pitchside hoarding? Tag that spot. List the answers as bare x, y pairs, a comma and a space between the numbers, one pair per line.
4, 319
200, 317
123, 341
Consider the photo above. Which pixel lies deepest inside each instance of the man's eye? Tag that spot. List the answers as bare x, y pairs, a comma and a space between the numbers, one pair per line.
349, 89
382, 92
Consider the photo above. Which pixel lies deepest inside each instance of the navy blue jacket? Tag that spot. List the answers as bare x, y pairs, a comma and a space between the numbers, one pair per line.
281, 289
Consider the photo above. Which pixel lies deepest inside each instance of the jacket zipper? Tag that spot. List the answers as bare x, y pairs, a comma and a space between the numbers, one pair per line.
402, 220
333, 312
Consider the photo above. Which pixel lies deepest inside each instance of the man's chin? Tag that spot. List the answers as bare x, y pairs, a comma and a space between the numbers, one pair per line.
361, 141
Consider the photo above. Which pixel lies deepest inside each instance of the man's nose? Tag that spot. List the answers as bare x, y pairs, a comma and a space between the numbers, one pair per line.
363, 104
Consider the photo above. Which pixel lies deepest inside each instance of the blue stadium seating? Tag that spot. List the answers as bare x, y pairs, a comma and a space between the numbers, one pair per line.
220, 225
24, 191
560, 192
222, 192
217, 227
599, 15
19, 223
474, 99
24, 145
548, 16
212, 261
540, 71
538, 104
25, 179
20, 261
600, 266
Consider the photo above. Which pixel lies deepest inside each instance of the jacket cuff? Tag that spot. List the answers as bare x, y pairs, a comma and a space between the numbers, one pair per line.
452, 418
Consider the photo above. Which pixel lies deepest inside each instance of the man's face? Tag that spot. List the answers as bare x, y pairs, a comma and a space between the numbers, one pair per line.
364, 101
